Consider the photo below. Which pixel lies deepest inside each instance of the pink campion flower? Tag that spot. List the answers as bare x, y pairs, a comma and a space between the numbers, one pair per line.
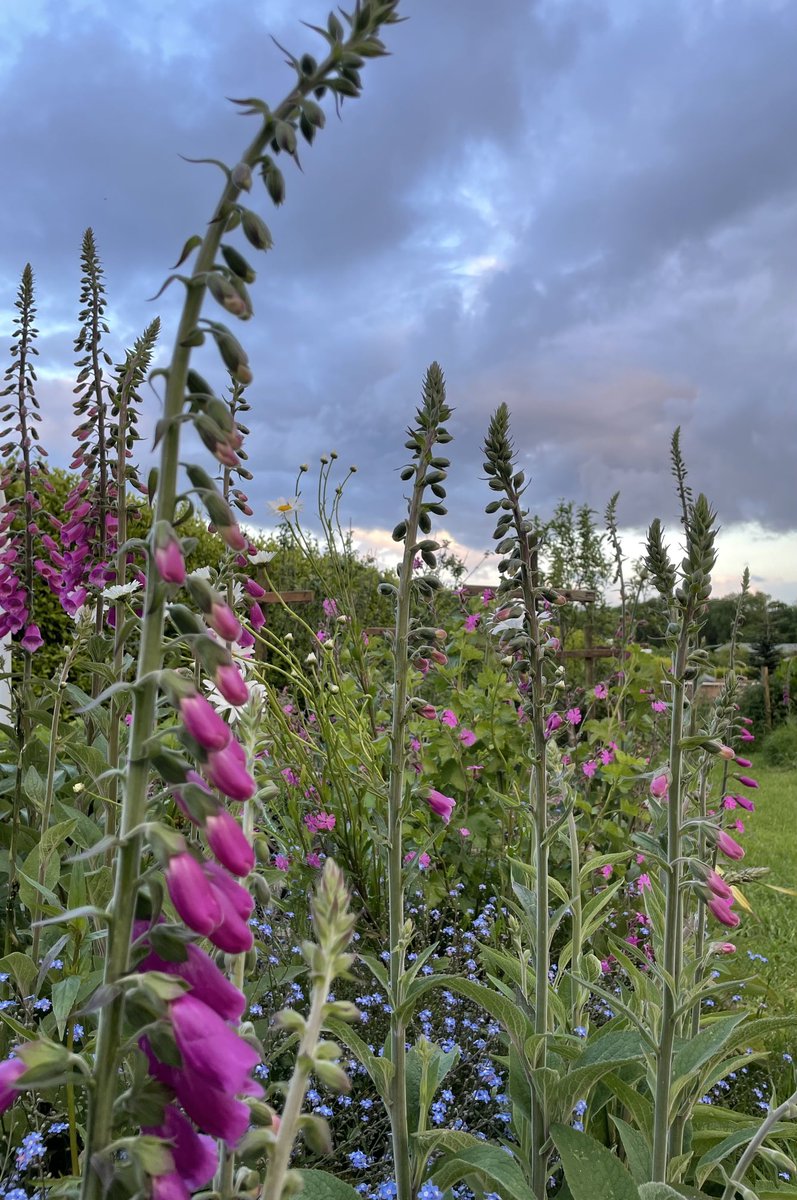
566, 760
487, 595
281, 862
415, 745
738, 825
606, 965
644, 882
573, 716
471, 623
321, 635
464, 833
746, 802
729, 846
226, 770
424, 862
589, 767
290, 776
330, 607
32, 639
607, 870
632, 939
606, 757
191, 894
314, 860
746, 781
640, 858
320, 821
409, 857
601, 691
447, 717
203, 722
229, 843
230, 683
442, 806
10, 1071
729, 802
742, 762
552, 724
658, 706
475, 768
467, 737
659, 785
721, 909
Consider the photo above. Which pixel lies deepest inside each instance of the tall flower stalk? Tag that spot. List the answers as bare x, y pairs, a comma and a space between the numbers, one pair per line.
530, 609
686, 600
428, 473
338, 73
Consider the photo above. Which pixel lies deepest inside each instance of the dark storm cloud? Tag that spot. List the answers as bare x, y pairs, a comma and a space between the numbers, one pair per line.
588, 210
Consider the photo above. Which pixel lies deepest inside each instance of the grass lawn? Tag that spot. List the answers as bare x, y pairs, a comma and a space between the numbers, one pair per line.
771, 929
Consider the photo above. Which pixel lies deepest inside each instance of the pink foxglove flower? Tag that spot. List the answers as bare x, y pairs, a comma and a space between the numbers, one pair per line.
230, 682
32, 639
659, 785
206, 981
226, 770
552, 724
196, 1156
746, 802
229, 843
746, 781
728, 846
223, 621
192, 895
203, 722
428, 712
10, 1071
168, 555
721, 909
441, 805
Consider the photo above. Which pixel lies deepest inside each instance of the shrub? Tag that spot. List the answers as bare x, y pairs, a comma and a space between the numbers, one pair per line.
780, 748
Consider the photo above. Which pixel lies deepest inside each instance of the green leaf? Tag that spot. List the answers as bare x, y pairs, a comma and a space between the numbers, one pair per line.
693, 1053
509, 1014
379, 1069
320, 1185
23, 969
577, 1083
592, 1172
615, 1045
489, 1167
659, 1191
636, 1147
34, 787
65, 993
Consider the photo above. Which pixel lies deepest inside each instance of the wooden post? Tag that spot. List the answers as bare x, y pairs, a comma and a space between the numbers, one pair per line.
589, 640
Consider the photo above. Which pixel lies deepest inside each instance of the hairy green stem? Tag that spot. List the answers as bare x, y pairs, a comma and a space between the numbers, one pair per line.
126, 883
289, 1120
673, 918
783, 1111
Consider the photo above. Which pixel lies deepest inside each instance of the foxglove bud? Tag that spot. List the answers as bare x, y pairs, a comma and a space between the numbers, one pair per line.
168, 554
192, 895
230, 683
226, 770
203, 722
229, 843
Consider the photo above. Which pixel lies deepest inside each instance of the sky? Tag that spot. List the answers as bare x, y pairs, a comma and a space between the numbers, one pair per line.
584, 208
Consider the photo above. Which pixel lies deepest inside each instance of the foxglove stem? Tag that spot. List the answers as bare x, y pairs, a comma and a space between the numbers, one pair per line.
289, 1118
781, 1113
579, 992
395, 867
673, 915
49, 792
128, 856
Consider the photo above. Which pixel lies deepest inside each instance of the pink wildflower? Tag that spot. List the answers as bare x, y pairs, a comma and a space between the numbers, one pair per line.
230, 683
314, 860
746, 781
601, 691
729, 846
658, 706
644, 882
10, 1071
589, 768
441, 805
472, 621
721, 909
729, 802
742, 762
464, 833
746, 802
226, 770
659, 785
203, 722
607, 870
467, 737
573, 716
606, 757
552, 724
281, 862
447, 717
229, 843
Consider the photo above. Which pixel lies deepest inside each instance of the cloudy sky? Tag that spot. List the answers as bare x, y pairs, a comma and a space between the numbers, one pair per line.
586, 208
